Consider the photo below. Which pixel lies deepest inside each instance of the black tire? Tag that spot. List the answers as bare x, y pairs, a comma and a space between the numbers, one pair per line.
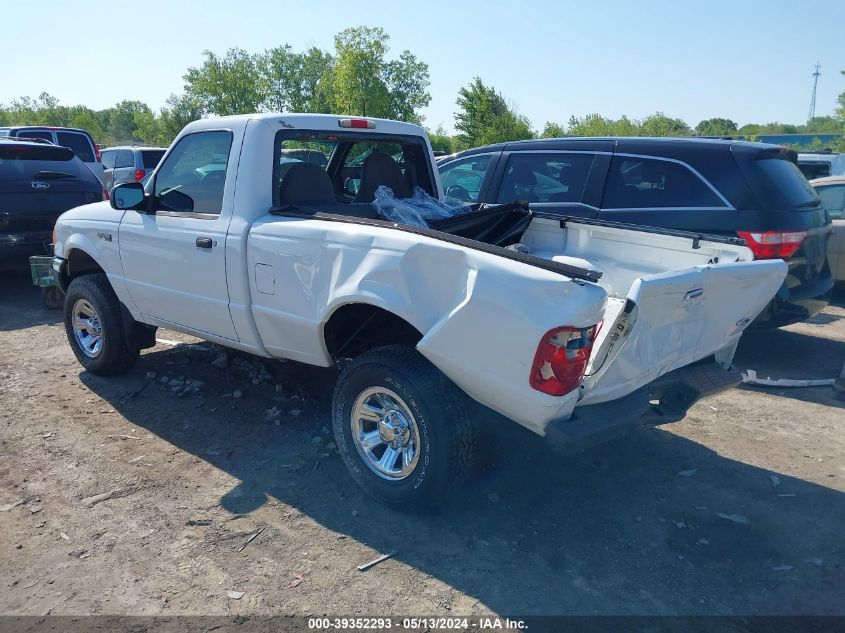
442, 414
116, 356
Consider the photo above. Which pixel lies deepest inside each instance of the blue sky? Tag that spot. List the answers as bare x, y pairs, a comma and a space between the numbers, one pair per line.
747, 60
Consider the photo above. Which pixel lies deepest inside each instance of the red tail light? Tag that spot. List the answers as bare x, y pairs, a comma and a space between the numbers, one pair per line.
139, 175
105, 194
357, 123
561, 359
97, 156
773, 244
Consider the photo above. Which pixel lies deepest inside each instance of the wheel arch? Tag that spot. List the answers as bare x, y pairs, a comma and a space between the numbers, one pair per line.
77, 262
357, 327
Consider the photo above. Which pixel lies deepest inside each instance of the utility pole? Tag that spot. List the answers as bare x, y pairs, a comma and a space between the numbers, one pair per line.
816, 75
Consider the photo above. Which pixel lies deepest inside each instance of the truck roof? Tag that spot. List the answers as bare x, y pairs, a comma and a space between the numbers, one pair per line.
295, 120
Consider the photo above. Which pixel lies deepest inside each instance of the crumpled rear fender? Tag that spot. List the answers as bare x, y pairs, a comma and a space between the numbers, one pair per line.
481, 315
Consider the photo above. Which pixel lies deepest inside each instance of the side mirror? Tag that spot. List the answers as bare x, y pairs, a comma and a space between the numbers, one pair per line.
127, 196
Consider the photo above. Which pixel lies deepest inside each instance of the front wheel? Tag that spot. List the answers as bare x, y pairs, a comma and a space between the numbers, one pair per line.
94, 326
403, 428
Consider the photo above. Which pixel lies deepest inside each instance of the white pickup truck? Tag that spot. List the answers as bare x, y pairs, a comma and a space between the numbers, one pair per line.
259, 233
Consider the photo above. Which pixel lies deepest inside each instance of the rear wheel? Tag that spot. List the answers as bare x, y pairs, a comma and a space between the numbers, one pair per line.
402, 428
94, 326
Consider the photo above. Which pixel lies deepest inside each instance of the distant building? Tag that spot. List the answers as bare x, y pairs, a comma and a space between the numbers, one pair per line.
803, 140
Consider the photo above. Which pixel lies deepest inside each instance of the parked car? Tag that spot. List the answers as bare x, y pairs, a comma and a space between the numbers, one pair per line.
832, 192
821, 164
129, 163
38, 182
731, 188
80, 141
576, 330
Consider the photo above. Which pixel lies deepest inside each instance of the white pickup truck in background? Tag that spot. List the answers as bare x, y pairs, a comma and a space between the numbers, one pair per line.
259, 233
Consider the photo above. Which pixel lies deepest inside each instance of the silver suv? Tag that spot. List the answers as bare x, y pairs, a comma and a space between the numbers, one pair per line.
129, 163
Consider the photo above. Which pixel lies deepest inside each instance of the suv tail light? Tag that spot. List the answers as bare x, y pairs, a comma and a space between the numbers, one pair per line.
105, 194
561, 359
139, 175
773, 244
97, 155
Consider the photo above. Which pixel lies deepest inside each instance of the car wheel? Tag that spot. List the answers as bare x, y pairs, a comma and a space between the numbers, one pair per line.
95, 328
402, 427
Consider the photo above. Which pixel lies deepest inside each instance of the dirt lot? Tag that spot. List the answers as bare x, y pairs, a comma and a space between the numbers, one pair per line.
631, 527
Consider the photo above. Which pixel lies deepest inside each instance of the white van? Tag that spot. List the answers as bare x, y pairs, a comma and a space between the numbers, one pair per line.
821, 164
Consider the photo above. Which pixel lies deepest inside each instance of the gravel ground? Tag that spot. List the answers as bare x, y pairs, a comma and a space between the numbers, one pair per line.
140, 497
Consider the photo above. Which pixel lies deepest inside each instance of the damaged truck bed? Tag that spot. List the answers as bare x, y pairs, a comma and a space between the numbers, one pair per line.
575, 329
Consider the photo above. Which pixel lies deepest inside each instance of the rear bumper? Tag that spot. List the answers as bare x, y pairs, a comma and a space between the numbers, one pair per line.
665, 400
15, 248
795, 305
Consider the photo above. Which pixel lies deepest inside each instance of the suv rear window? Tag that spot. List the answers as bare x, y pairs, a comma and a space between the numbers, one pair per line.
23, 162
151, 157
784, 184
79, 143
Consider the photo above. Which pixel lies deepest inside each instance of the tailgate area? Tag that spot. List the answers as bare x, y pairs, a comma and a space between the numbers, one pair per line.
665, 400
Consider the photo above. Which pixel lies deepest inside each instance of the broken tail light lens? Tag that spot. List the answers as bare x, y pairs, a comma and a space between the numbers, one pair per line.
561, 359
773, 244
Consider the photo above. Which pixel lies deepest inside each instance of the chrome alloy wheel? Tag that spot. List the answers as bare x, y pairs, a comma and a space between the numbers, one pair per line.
385, 433
87, 328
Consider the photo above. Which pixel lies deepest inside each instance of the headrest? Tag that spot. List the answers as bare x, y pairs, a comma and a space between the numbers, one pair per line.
306, 184
380, 169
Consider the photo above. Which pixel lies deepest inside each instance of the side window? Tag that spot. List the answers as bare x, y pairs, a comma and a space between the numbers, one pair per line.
643, 183
462, 178
108, 157
193, 176
552, 177
124, 158
79, 143
42, 134
833, 199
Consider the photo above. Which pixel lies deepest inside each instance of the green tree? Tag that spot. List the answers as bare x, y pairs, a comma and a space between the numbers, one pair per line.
363, 82
441, 141
597, 125
659, 124
176, 114
552, 130
121, 120
716, 127
750, 129
226, 85
824, 125
485, 117
291, 81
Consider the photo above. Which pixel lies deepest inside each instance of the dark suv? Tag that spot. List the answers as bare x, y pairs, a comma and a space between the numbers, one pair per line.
38, 182
751, 190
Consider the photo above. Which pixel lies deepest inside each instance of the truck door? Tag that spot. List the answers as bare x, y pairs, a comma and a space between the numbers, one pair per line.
174, 256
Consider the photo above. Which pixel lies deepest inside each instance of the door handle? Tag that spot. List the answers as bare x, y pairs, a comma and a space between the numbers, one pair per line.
204, 242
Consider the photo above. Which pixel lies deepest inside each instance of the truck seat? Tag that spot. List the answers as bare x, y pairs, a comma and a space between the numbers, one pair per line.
380, 169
